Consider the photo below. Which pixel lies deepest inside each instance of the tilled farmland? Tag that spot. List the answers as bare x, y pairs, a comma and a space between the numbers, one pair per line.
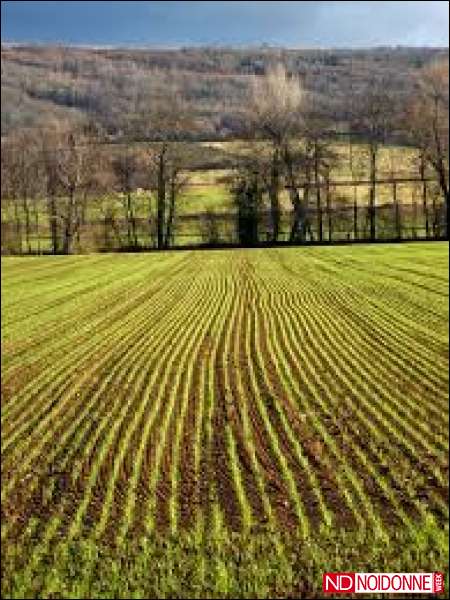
192, 398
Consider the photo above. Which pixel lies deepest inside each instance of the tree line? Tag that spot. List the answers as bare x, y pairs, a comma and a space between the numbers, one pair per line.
71, 168
280, 112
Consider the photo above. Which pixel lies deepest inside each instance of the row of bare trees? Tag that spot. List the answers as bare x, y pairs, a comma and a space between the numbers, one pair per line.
302, 155
73, 170
66, 175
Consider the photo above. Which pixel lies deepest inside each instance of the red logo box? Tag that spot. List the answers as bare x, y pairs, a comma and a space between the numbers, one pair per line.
369, 583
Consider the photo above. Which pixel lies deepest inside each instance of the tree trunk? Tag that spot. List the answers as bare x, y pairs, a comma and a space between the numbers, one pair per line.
161, 200
248, 197
68, 230
414, 223
171, 214
329, 210
297, 225
129, 242
440, 165
26, 209
18, 226
51, 202
318, 198
443, 184
424, 197
151, 232
131, 223
81, 219
36, 225
274, 196
134, 230
372, 192
106, 231
299, 212
67, 247
398, 224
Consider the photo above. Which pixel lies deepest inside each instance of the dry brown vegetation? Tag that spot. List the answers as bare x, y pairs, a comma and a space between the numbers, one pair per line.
114, 86
292, 114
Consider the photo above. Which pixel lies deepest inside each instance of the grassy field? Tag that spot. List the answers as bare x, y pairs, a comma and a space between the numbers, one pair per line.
222, 424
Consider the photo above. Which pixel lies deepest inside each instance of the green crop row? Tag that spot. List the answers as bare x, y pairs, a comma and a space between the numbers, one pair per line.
242, 411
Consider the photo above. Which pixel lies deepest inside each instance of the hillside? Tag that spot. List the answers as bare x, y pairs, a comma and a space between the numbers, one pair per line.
116, 87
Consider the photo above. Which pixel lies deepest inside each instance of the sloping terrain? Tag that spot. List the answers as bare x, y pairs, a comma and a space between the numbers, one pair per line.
116, 87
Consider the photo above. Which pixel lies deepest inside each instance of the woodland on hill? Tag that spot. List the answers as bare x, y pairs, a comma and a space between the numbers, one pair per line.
114, 87
88, 127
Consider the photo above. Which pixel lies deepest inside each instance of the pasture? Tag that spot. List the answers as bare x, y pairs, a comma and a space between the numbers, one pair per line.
222, 423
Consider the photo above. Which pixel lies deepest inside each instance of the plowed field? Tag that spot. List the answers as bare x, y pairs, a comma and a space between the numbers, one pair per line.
239, 394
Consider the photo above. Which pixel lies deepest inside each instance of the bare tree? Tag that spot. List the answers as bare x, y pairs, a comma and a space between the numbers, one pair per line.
25, 170
298, 163
177, 180
319, 155
170, 119
373, 116
167, 179
75, 155
275, 113
125, 167
247, 191
20, 169
10, 182
428, 123
47, 135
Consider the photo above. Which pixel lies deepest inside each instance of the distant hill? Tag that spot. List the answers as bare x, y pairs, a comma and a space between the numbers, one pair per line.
115, 87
